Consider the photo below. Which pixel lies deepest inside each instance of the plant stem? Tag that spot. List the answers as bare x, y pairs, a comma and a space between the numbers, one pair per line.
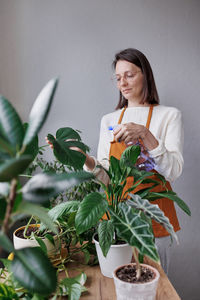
138, 266
11, 201
26, 228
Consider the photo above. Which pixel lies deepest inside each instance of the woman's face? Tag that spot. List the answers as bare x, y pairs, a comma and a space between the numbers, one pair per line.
129, 80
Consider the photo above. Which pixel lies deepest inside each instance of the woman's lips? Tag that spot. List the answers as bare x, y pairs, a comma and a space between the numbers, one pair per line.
126, 91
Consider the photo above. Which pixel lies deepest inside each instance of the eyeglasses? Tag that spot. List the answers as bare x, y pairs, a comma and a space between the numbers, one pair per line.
128, 76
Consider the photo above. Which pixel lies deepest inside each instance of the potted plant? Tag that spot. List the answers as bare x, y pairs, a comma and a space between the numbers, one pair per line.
30, 267
128, 215
120, 219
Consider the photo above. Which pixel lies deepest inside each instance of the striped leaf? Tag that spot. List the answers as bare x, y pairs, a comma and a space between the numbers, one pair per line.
134, 230
153, 211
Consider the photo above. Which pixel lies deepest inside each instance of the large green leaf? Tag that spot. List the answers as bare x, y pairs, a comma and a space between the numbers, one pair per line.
40, 110
153, 211
66, 138
32, 148
11, 127
5, 243
42, 187
91, 209
37, 211
105, 235
134, 230
172, 196
33, 270
13, 167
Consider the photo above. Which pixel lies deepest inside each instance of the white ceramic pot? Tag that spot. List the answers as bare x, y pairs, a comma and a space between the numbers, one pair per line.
117, 255
20, 243
136, 291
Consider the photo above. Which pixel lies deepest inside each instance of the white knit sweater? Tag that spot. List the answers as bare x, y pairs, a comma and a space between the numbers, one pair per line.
166, 125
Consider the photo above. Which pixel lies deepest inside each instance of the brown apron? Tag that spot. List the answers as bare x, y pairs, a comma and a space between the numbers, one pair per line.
165, 204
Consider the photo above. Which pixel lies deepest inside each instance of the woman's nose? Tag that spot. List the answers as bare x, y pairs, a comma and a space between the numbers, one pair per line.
123, 81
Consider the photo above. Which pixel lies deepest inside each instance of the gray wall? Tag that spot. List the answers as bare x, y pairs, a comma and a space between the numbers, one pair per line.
76, 40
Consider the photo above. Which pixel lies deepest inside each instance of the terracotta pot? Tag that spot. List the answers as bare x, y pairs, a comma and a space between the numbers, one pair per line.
136, 291
117, 255
20, 243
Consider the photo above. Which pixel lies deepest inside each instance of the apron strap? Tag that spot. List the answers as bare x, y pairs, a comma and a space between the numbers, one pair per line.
121, 116
149, 116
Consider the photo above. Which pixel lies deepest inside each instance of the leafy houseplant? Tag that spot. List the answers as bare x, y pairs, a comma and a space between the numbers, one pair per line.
128, 220
18, 148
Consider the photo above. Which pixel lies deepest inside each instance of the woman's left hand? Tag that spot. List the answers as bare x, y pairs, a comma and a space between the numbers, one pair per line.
131, 132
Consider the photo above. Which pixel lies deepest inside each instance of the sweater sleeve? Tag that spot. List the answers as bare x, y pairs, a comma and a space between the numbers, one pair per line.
168, 154
102, 153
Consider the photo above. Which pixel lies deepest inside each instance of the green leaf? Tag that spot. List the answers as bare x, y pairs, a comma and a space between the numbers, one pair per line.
6, 149
50, 238
105, 235
134, 230
115, 171
41, 243
40, 110
37, 211
6, 243
73, 287
42, 187
63, 208
129, 156
11, 127
33, 270
32, 148
7, 292
153, 211
172, 196
91, 209
13, 167
65, 139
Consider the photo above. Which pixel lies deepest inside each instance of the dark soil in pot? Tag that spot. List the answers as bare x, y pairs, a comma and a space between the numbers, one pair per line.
117, 242
128, 274
20, 233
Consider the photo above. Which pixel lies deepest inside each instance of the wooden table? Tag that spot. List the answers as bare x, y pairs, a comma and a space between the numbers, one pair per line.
102, 288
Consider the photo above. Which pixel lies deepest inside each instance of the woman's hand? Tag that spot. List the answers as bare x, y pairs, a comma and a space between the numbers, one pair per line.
131, 132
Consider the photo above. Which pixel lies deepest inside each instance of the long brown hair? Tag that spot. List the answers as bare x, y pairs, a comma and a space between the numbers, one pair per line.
134, 56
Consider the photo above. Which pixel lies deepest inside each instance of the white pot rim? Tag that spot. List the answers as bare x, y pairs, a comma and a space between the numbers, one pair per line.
22, 227
113, 246
137, 284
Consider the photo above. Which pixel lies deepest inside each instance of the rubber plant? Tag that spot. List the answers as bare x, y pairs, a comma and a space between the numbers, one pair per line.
18, 148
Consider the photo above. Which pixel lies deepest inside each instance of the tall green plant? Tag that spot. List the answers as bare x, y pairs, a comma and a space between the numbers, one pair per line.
18, 148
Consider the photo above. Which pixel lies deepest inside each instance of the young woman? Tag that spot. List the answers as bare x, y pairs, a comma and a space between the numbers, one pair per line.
139, 116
